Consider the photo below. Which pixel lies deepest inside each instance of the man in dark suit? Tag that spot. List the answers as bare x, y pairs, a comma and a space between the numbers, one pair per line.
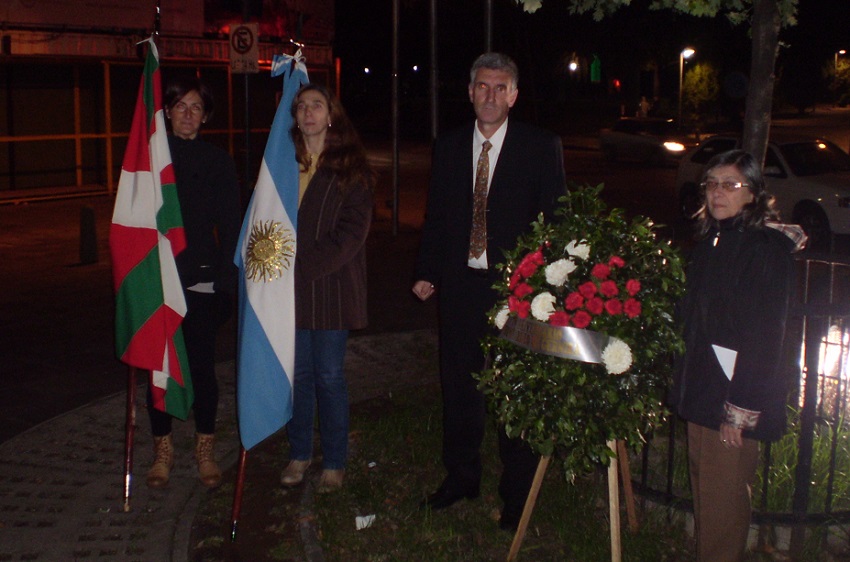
520, 175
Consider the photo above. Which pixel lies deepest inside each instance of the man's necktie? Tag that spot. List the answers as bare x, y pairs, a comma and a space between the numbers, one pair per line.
478, 236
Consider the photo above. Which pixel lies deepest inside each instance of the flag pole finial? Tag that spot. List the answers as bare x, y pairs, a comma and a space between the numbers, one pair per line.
157, 18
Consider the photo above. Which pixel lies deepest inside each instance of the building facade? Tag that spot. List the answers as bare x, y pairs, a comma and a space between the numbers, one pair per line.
69, 76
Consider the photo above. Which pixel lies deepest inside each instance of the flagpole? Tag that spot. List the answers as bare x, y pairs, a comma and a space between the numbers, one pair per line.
237, 494
130, 410
247, 188
266, 330
156, 21
129, 431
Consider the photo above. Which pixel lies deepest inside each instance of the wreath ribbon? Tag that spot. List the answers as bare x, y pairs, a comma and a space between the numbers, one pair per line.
566, 342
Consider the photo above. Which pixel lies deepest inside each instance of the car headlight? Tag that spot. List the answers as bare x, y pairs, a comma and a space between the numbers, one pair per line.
674, 146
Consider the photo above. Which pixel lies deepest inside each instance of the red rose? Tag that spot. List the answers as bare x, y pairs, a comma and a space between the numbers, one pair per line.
613, 307
574, 301
522, 308
581, 319
523, 290
609, 289
527, 268
632, 308
559, 318
594, 305
538, 256
600, 271
587, 289
616, 261
515, 277
632, 286
531, 262
524, 265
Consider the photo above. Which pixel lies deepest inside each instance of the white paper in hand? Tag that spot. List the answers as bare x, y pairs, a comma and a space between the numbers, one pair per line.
727, 358
363, 522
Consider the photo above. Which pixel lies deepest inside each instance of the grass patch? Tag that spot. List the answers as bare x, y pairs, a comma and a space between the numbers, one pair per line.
394, 462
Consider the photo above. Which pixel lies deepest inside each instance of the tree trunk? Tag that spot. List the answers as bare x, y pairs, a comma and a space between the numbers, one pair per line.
765, 30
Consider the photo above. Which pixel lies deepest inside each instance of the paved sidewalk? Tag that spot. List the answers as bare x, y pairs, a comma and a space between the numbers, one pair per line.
61, 482
61, 486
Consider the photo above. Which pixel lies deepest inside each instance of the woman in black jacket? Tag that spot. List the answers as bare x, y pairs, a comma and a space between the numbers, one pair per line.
729, 384
209, 203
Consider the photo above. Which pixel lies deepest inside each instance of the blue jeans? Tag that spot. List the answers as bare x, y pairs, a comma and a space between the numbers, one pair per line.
319, 378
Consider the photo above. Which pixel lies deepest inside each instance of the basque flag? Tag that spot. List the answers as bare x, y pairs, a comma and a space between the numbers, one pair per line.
145, 236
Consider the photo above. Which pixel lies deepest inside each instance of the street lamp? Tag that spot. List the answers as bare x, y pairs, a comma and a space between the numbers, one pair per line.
841, 52
686, 53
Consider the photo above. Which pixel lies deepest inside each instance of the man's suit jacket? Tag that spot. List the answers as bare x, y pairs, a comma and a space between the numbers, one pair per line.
527, 180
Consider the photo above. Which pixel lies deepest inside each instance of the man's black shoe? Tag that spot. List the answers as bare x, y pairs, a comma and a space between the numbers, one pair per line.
444, 498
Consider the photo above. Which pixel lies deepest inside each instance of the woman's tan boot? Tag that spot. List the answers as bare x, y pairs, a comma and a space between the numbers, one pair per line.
293, 474
208, 470
331, 480
163, 460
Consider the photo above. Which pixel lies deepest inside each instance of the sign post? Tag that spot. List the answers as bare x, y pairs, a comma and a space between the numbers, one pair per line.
245, 60
244, 49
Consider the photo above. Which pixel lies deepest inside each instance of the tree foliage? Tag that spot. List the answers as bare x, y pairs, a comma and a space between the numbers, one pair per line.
700, 89
765, 18
841, 81
738, 11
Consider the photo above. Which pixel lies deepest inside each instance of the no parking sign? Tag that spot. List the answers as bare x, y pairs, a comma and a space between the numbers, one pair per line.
244, 52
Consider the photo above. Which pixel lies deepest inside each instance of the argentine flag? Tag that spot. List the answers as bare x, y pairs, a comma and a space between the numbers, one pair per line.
265, 256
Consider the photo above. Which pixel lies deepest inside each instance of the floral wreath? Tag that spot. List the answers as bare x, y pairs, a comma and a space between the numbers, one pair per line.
587, 273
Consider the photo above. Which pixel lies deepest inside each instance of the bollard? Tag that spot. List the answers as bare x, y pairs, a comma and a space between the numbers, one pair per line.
88, 236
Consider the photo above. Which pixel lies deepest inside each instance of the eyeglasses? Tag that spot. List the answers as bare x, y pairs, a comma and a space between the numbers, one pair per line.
728, 186
195, 108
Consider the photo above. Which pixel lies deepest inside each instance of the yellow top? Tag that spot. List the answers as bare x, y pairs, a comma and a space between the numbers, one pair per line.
305, 177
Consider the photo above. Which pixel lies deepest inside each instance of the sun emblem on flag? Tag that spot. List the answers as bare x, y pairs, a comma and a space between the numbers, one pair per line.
270, 251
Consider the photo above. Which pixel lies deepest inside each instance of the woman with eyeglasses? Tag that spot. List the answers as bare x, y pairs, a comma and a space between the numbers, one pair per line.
209, 203
730, 384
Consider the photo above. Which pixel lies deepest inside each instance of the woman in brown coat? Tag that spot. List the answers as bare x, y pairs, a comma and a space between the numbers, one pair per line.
334, 214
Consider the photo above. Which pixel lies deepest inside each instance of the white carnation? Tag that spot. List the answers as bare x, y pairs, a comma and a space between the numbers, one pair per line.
557, 272
617, 357
578, 249
501, 317
542, 306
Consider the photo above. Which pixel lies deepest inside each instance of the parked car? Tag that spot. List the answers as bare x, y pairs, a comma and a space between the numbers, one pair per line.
810, 178
644, 139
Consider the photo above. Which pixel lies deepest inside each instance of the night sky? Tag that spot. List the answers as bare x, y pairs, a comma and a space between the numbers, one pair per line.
363, 29
627, 44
